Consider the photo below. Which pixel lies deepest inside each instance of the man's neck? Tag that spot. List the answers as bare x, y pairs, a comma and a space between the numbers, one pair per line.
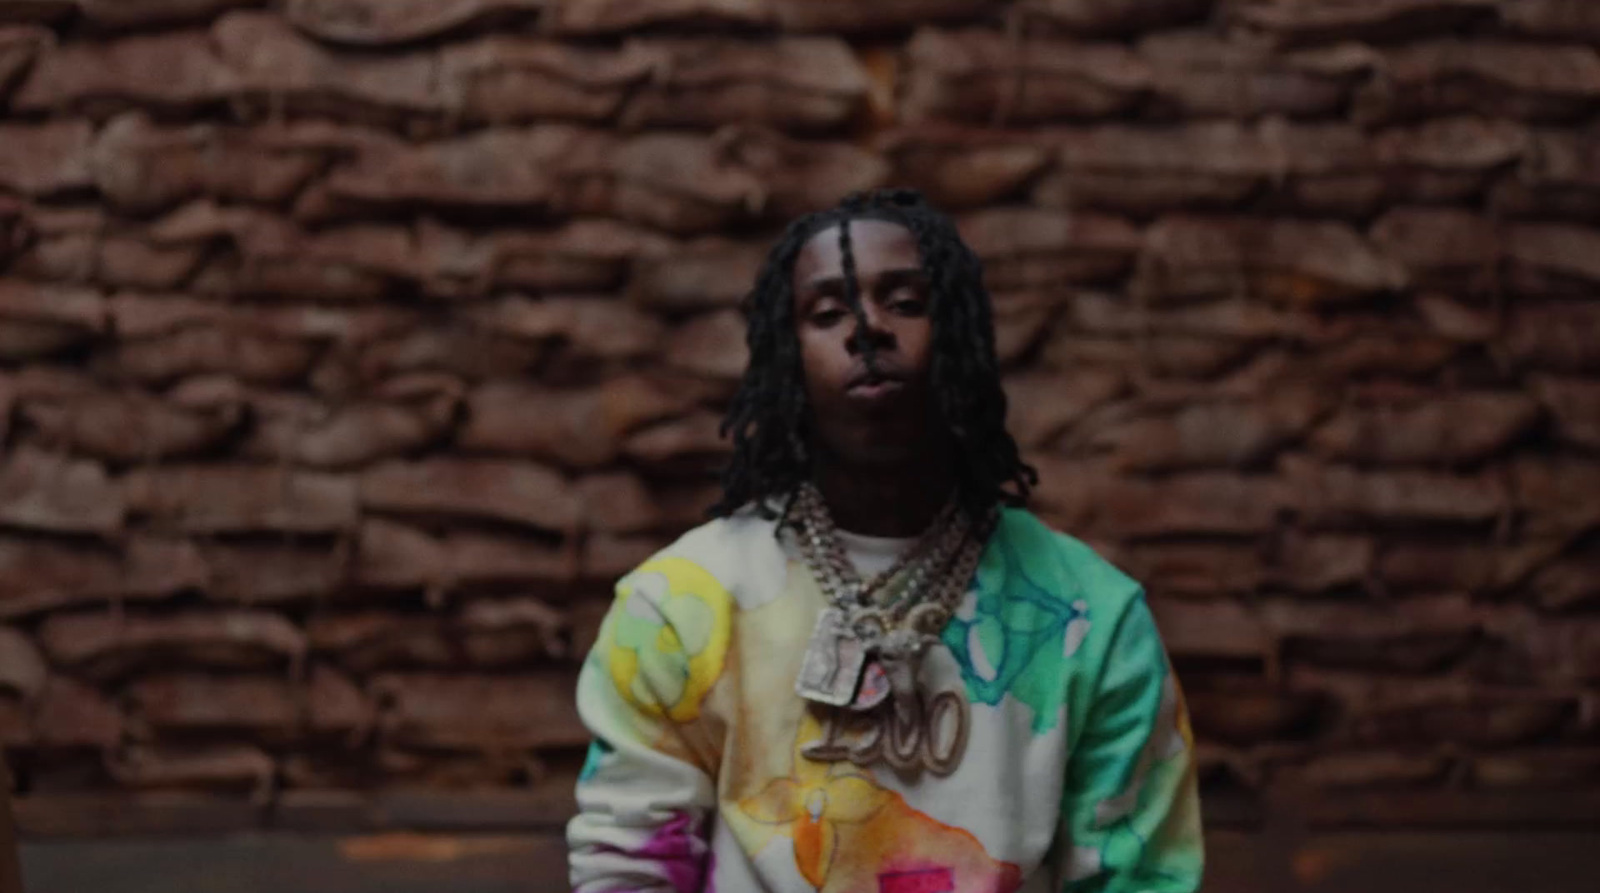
888, 501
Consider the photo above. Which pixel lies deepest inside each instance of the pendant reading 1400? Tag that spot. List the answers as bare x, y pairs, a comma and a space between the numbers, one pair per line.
833, 662
931, 737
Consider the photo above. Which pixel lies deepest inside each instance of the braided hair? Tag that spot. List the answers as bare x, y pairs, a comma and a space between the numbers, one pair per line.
772, 451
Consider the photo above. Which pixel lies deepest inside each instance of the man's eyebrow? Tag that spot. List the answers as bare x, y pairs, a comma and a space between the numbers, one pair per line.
902, 276
826, 285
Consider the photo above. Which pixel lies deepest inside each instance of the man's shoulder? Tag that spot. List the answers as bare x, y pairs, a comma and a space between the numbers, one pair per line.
731, 552
1075, 570
719, 537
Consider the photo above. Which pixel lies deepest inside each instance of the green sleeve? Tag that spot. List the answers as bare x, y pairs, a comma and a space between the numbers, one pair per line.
1130, 812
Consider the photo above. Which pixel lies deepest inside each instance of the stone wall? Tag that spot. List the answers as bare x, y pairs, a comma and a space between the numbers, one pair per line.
349, 348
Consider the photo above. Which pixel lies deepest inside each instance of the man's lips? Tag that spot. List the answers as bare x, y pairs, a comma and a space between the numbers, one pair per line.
873, 387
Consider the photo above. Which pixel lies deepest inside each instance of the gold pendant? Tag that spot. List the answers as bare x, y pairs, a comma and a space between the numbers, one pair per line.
931, 737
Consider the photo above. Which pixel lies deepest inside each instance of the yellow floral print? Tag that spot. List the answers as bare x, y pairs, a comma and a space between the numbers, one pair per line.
667, 639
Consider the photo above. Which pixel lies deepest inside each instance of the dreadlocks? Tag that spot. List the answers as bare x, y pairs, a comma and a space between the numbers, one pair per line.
767, 420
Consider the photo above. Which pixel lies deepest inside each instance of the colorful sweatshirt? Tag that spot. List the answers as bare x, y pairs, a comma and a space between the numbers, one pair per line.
1078, 772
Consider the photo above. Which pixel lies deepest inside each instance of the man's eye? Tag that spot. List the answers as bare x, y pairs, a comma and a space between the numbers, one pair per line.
909, 304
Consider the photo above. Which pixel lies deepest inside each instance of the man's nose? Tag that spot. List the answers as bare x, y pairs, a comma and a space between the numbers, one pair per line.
871, 330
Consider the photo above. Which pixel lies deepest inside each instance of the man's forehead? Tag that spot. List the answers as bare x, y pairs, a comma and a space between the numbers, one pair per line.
876, 246
831, 281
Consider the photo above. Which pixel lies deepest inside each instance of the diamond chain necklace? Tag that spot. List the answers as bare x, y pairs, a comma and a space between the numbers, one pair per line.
866, 649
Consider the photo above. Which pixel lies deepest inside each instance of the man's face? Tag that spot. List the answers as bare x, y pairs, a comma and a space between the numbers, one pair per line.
865, 412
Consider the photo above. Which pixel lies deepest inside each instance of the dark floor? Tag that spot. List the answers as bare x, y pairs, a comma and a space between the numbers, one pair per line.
1410, 862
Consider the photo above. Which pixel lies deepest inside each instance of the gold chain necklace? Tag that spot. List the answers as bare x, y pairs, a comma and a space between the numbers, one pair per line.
862, 654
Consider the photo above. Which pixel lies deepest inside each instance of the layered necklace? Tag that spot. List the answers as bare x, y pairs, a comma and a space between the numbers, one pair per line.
865, 650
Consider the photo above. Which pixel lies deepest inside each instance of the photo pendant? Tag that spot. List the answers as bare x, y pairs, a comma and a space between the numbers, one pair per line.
874, 688
834, 660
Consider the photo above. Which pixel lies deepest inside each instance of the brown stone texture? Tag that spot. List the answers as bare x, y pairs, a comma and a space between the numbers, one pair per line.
351, 349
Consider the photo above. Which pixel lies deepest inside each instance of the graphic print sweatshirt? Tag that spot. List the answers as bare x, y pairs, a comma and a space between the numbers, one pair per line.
1078, 772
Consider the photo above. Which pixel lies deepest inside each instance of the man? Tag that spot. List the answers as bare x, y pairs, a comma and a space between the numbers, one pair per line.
874, 671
